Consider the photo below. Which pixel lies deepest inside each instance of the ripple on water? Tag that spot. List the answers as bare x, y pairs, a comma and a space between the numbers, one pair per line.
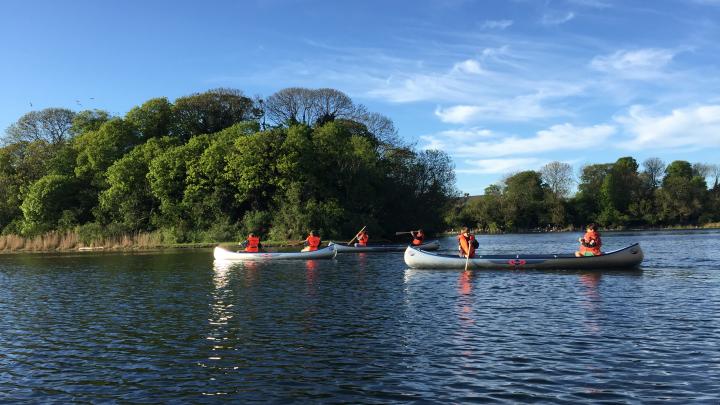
175, 327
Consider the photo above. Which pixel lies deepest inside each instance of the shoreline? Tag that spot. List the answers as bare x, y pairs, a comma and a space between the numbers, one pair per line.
130, 244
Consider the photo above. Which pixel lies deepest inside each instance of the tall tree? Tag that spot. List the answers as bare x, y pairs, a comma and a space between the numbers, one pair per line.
154, 118
51, 125
211, 111
558, 176
654, 168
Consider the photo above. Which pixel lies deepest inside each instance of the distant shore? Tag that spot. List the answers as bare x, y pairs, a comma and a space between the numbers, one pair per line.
69, 241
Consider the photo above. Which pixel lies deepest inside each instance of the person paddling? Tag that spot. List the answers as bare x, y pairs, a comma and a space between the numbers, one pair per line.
312, 242
252, 243
590, 243
418, 237
362, 238
467, 243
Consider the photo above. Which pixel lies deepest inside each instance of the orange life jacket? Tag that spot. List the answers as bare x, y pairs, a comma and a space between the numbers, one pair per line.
313, 242
363, 239
418, 238
253, 244
589, 246
467, 244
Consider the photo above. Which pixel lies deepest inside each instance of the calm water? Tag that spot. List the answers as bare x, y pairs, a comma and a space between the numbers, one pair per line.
177, 327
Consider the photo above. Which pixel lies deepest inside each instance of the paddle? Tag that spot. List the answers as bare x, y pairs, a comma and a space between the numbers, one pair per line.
356, 235
404, 232
467, 261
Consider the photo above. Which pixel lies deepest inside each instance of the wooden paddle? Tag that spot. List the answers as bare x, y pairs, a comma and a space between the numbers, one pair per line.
404, 232
356, 235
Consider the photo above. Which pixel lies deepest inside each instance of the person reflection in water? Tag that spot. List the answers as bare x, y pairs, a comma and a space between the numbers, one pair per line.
592, 300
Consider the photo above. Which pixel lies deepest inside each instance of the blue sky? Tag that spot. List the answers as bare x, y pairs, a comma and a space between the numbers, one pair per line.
502, 86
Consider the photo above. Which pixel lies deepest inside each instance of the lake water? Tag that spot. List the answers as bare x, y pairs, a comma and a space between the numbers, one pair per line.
177, 327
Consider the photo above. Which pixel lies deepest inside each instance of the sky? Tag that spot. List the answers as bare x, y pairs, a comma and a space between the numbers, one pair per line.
501, 86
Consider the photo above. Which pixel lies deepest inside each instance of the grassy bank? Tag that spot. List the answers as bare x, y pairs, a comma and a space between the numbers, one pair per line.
72, 241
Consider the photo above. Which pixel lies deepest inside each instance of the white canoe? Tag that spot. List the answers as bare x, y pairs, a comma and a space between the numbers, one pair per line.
224, 254
341, 248
624, 258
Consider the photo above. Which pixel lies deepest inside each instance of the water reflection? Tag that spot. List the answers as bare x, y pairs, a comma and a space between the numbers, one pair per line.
591, 300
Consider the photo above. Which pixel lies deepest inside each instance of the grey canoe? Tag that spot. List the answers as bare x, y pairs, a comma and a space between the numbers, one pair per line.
224, 254
624, 258
430, 245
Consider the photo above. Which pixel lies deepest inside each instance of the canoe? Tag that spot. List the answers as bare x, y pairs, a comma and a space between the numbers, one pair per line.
341, 248
624, 258
224, 254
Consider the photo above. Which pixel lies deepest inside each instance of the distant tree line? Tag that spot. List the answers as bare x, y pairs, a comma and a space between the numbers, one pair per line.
616, 195
216, 165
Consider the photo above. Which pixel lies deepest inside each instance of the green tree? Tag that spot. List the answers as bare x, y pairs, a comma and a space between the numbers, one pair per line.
48, 204
683, 194
522, 200
153, 119
211, 111
128, 200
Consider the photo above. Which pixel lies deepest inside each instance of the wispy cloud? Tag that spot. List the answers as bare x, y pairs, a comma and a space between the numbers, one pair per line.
562, 137
693, 127
557, 18
501, 166
496, 24
639, 64
591, 3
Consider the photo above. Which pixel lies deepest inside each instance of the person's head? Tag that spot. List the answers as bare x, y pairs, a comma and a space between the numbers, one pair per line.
592, 226
420, 230
251, 235
312, 233
464, 230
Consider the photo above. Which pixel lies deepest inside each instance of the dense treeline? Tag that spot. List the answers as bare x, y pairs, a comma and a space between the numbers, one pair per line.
616, 195
216, 165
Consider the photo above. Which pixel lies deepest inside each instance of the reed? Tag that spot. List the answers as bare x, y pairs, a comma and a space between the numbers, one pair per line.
70, 240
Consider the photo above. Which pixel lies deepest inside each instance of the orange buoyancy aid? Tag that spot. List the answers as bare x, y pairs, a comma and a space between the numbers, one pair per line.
592, 243
418, 238
313, 242
253, 244
467, 244
363, 239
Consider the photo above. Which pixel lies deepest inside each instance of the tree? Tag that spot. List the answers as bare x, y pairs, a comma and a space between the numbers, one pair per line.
522, 200
558, 176
683, 194
654, 168
89, 120
128, 200
587, 201
49, 203
715, 172
51, 125
619, 188
211, 111
152, 119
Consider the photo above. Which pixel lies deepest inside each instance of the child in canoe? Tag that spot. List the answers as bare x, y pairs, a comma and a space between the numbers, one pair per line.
590, 243
312, 242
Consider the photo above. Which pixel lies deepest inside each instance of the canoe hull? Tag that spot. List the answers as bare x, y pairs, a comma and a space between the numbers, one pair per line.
224, 254
431, 245
625, 258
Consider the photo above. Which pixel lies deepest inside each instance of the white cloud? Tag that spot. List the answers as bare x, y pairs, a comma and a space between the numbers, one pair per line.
641, 63
497, 24
556, 138
519, 108
591, 3
557, 18
468, 66
501, 166
695, 127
